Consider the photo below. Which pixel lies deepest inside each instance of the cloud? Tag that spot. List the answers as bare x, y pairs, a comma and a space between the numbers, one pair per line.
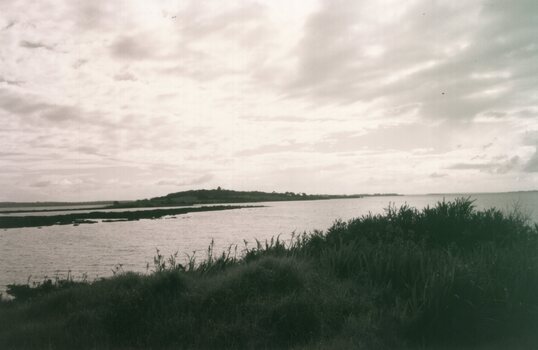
132, 48
26, 105
438, 175
492, 167
89, 150
530, 137
10, 82
210, 42
291, 146
290, 119
9, 25
287, 119
532, 164
91, 15
246, 90
178, 183
65, 182
418, 136
55, 113
125, 76
19, 104
41, 184
30, 110
9, 154
425, 53
200, 20
79, 63
35, 45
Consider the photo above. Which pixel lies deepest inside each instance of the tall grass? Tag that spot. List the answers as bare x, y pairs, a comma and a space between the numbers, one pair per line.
447, 276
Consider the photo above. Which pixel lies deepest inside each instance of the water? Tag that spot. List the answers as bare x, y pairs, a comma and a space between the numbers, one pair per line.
82, 209
95, 249
56, 207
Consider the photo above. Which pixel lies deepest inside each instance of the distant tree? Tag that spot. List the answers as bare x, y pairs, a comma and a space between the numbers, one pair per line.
218, 188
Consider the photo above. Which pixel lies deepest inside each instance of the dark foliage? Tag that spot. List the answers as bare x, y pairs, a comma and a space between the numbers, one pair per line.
224, 196
83, 218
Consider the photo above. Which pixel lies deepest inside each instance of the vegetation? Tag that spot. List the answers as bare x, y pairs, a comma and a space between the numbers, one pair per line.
226, 196
444, 277
85, 218
185, 198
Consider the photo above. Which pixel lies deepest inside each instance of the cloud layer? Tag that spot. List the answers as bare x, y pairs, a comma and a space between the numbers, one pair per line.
130, 99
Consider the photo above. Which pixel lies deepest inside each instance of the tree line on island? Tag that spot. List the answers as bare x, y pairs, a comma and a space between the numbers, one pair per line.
220, 195
77, 216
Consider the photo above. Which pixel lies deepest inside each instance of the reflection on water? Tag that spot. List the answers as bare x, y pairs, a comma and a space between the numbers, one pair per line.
96, 249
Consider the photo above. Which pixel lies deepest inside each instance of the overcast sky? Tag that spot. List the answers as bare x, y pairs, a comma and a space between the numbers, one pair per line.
131, 99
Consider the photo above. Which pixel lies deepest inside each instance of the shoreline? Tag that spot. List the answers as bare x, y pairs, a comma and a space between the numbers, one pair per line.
7, 222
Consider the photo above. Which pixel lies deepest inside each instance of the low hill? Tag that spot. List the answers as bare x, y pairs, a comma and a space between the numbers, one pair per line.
219, 195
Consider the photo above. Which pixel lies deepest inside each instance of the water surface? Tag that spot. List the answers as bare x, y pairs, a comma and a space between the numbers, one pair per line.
95, 249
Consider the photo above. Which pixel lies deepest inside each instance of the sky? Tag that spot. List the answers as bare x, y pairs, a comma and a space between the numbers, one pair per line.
104, 100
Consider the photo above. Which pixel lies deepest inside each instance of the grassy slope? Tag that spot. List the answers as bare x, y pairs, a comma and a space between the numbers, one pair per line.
444, 277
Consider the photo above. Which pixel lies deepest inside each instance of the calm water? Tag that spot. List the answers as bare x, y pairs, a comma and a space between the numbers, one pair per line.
59, 208
95, 249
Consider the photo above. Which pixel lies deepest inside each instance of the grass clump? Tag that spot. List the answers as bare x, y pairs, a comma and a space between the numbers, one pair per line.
447, 276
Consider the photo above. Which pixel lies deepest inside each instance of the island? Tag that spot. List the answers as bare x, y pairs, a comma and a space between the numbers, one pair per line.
171, 204
219, 196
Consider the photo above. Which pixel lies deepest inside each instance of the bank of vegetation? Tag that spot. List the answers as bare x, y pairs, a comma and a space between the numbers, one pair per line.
75, 218
445, 277
220, 195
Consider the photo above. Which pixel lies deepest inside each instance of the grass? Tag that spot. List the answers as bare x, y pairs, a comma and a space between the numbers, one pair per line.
445, 277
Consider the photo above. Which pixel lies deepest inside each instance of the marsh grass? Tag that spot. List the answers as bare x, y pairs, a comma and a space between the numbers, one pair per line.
447, 276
